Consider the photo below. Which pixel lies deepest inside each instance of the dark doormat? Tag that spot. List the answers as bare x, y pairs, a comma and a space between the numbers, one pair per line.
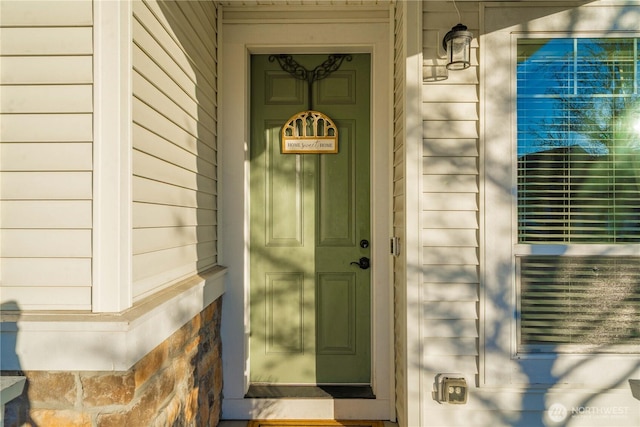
309, 392
314, 423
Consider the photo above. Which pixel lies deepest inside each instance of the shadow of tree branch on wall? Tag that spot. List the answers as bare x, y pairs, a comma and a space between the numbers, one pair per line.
462, 330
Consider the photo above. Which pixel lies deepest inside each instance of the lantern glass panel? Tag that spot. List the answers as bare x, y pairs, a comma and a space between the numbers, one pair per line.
459, 52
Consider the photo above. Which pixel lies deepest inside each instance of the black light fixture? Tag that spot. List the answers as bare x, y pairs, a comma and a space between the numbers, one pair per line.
457, 44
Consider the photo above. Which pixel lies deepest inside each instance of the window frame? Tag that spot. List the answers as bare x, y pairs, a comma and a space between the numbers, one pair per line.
502, 361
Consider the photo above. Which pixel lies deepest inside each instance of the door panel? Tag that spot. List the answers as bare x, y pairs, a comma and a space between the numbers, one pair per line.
284, 197
337, 194
336, 308
310, 308
284, 312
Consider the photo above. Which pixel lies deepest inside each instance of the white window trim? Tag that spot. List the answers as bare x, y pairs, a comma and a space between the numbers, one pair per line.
501, 364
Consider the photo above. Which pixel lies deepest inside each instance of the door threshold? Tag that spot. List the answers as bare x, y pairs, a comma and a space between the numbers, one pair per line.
260, 391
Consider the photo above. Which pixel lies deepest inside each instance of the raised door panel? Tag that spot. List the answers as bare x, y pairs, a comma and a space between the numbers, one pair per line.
283, 194
336, 313
337, 192
284, 304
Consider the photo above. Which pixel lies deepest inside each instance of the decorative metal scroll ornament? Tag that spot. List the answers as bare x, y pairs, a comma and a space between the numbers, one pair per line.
309, 132
331, 64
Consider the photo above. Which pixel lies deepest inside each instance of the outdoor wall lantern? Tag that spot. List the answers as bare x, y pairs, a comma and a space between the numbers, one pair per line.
457, 43
457, 50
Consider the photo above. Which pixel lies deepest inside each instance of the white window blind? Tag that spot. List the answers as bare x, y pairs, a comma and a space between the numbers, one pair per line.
579, 300
578, 141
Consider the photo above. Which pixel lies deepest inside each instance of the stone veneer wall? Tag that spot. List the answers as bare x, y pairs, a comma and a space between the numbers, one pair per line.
179, 383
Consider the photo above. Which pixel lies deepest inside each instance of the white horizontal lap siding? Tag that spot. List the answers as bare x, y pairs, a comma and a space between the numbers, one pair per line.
450, 209
174, 142
46, 164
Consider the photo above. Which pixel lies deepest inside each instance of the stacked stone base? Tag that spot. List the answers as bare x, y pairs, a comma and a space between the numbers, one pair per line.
179, 383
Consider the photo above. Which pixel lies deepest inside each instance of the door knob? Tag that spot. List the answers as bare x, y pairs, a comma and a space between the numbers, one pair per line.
363, 263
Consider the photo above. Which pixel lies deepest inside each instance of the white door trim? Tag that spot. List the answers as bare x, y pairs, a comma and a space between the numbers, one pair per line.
239, 41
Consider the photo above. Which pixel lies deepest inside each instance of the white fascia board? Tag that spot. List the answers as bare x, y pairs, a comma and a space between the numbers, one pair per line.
68, 341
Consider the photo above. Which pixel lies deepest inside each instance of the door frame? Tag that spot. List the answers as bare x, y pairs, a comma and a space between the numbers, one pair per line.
240, 39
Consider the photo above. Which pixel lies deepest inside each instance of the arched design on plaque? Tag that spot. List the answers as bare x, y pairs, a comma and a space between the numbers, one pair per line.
309, 132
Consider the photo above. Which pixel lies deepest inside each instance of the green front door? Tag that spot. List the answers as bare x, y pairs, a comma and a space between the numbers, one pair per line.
310, 219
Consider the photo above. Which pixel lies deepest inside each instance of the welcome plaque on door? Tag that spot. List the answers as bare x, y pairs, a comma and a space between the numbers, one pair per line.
309, 132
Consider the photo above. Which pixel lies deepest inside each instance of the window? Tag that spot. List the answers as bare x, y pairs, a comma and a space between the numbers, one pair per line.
578, 185
560, 225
